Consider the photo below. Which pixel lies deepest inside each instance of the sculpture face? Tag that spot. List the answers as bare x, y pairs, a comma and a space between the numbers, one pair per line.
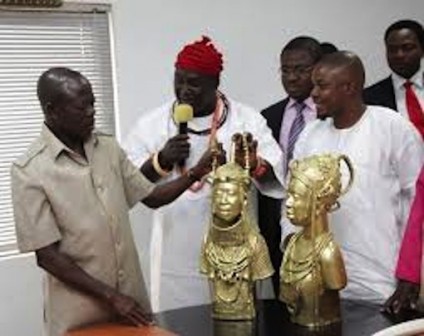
227, 201
298, 203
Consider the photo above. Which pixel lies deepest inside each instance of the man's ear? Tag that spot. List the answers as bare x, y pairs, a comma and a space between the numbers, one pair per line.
218, 81
49, 112
350, 88
215, 81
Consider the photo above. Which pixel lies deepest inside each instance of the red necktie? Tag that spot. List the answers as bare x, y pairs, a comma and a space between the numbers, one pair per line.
413, 106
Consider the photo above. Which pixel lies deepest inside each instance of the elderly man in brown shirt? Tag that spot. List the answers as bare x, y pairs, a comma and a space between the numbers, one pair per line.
72, 191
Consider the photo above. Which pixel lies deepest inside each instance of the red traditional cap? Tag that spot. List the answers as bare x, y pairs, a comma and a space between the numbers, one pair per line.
200, 56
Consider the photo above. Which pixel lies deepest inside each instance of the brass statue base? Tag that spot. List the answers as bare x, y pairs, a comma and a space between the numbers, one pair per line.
233, 328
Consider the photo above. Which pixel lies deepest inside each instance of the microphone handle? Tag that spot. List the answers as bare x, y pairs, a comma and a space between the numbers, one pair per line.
182, 129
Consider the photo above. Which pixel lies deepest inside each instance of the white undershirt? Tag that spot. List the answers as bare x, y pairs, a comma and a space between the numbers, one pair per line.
417, 85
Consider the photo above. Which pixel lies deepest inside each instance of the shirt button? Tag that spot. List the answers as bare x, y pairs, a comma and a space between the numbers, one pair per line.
121, 273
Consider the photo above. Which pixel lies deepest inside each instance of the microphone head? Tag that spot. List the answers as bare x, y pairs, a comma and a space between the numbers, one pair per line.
183, 113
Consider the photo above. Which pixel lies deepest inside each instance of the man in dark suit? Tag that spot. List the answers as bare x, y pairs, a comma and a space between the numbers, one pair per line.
286, 119
404, 41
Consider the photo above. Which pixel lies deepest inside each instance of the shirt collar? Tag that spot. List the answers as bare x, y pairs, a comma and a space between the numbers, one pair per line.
308, 102
56, 147
417, 79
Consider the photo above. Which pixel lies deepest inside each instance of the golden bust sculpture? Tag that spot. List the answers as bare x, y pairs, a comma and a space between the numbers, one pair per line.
312, 270
234, 255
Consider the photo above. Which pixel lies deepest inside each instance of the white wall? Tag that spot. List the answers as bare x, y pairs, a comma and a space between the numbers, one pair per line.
251, 34
20, 297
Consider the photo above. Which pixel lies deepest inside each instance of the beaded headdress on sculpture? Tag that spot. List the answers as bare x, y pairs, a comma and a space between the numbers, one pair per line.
322, 175
231, 171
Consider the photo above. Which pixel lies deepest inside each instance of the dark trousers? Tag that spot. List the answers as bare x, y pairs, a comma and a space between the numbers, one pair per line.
269, 211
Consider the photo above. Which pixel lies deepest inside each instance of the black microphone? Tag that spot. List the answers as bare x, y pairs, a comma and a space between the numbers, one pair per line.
182, 128
183, 113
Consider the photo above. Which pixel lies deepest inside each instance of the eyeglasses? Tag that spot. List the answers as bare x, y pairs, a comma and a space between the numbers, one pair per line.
300, 70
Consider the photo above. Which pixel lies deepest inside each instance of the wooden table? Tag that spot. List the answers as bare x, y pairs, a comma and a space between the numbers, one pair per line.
120, 330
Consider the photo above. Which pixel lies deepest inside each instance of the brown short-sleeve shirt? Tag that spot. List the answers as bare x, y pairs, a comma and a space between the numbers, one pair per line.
82, 204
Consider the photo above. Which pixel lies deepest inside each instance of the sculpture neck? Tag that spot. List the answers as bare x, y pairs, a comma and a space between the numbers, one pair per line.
318, 226
223, 224
224, 233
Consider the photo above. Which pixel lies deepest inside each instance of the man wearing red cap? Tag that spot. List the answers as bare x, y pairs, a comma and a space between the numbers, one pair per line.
175, 248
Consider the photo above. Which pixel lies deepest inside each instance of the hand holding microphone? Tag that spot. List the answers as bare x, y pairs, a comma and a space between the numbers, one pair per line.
183, 113
177, 148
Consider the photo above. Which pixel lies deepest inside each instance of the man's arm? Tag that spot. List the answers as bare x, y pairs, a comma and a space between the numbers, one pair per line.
268, 174
410, 255
408, 270
138, 187
175, 150
166, 193
66, 270
408, 157
261, 170
271, 183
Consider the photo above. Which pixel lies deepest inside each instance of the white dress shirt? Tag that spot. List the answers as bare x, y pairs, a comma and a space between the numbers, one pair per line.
417, 85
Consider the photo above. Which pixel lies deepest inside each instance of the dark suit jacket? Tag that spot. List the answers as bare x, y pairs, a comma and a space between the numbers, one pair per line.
274, 117
381, 93
269, 208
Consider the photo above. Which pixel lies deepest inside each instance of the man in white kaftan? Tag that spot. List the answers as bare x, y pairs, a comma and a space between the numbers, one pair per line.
178, 229
387, 155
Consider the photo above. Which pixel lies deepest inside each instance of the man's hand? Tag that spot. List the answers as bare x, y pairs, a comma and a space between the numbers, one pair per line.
240, 155
176, 149
129, 309
403, 301
62, 267
204, 165
167, 192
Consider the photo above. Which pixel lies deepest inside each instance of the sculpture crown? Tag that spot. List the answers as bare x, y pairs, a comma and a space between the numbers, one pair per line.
232, 172
322, 175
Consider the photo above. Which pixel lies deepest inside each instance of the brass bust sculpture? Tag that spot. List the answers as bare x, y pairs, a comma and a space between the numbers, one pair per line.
312, 270
234, 255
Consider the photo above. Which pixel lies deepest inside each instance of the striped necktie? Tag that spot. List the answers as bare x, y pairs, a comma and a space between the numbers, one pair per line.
296, 128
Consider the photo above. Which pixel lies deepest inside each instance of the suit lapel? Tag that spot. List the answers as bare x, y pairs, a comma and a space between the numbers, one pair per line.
391, 98
277, 119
